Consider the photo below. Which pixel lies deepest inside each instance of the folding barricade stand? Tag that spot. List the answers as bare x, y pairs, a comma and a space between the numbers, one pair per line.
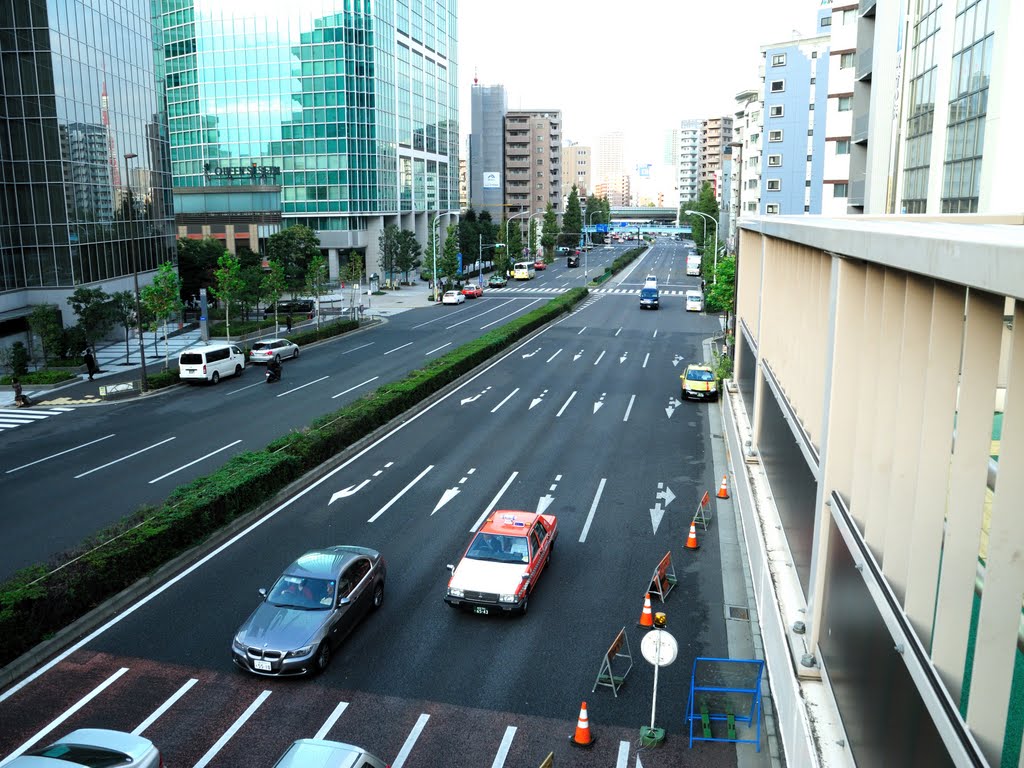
719, 691
703, 514
664, 577
606, 675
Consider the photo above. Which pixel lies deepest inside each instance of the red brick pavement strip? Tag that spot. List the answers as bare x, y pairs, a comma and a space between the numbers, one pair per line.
454, 736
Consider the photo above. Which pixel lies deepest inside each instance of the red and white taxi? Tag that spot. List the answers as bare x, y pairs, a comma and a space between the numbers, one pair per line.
503, 562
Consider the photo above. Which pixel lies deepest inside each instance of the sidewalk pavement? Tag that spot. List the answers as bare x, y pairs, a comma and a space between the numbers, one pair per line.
117, 367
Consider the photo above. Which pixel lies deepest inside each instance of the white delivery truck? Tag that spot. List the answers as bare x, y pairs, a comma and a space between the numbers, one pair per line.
693, 265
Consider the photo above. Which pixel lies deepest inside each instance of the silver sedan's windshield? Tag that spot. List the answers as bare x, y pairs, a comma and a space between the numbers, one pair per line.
305, 593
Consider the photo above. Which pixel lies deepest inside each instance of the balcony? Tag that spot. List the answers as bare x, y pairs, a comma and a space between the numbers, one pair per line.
859, 135
855, 196
864, 63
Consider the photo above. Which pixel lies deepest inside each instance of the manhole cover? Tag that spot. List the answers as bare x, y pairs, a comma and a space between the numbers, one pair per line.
737, 612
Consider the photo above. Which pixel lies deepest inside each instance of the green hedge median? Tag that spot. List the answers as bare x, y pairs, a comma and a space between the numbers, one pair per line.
38, 601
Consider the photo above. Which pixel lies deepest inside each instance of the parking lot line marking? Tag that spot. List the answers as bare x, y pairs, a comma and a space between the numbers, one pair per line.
130, 455
307, 384
68, 713
55, 455
164, 707
398, 348
201, 458
507, 398
235, 727
593, 509
621, 762
331, 720
410, 741
401, 493
646, 358
490, 507
437, 349
629, 407
566, 404
599, 357
362, 346
504, 747
357, 386
553, 356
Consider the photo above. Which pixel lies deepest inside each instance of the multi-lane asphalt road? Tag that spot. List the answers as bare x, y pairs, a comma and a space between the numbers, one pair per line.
581, 420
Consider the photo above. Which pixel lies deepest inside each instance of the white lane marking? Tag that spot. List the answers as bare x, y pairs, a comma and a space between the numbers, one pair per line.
655, 334
186, 466
164, 707
593, 509
68, 713
437, 349
230, 732
582, 330
24, 416
507, 398
398, 348
494, 501
123, 458
410, 741
566, 405
307, 384
599, 357
242, 389
618, 332
478, 315
331, 720
558, 478
62, 410
505, 317
504, 747
646, 357
61, 453
629, 407
363, 346
553, 356
130, 609
357, 386
401, 493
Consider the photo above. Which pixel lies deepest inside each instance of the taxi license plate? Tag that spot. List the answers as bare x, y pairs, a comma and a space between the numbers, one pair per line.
481, 609
262, 666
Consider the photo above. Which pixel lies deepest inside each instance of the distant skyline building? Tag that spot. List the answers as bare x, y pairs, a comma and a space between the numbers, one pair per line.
716, 134
609, 158
576, 169
337, 115
489, 104
533, 161
688, 164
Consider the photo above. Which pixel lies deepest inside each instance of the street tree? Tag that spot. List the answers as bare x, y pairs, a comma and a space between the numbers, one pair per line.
703, 230
720, 294
448, 261
228, 284
197, 261
294, 247
95, 318
469, 237
531, 237
572, 220
316, 281
274, 285
549, 232
408, 253
352, 273
388, 245
45, 324
123, 308
514, 240
162, 300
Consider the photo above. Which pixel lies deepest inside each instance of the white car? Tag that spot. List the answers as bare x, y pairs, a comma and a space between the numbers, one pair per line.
272, 349
91, 747
694, 301
452, 297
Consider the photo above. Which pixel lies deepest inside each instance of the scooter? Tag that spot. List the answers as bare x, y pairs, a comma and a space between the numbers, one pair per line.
273, 372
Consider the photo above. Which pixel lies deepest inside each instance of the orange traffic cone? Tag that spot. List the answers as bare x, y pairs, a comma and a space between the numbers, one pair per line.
723, 489
646, 617
582, 737
691, 540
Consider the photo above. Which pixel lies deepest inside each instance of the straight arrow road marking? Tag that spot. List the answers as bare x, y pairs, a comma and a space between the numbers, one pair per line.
623, 358
544, 502
577, 356
448, 495
536, 400
599, 403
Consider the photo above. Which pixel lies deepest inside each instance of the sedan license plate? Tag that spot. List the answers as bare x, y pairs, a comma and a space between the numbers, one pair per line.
481, 609
261, 665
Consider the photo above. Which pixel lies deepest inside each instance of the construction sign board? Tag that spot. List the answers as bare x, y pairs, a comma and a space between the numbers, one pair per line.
703, 514
618, 653
664, 577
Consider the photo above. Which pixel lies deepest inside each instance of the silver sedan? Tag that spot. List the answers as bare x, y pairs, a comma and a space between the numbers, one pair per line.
272, 349
92, 746
313, 606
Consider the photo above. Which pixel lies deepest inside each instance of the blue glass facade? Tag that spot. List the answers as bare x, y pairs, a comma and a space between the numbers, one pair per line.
81, 87
348, 105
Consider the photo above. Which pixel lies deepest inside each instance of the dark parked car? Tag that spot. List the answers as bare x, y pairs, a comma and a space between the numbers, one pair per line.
293, 307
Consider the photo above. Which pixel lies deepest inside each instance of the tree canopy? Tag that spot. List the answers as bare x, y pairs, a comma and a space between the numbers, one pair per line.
293, 248
572, 220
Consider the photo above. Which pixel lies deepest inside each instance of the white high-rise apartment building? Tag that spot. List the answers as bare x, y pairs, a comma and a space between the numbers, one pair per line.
577, 168
688, 164
748, 129
839, 114
609, 164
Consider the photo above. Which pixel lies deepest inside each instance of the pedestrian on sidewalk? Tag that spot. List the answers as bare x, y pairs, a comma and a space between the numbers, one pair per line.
288, 323
90, 363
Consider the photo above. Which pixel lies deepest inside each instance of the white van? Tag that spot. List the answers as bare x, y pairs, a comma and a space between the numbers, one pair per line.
651, 281
694, 301
693, 265
210, 363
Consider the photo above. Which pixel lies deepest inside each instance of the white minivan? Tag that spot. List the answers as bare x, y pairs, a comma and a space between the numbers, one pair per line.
210, 363
693, 265
694, 301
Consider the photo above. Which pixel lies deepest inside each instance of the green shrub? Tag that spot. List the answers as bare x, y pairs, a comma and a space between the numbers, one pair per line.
19, 359
45, 376
35, 602
162, 379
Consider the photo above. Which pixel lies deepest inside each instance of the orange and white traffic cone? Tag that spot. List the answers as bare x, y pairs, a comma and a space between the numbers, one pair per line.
723, 489
691, 540
582, 737
646, 617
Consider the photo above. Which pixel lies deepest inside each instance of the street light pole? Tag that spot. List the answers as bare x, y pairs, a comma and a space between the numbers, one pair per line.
135, 269
714, 275
529, 222
437, 220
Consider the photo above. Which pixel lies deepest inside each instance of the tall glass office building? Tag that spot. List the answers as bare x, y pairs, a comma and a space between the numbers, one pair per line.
338, 114
84, 158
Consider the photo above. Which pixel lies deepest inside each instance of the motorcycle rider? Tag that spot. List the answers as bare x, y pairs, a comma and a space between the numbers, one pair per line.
274, 370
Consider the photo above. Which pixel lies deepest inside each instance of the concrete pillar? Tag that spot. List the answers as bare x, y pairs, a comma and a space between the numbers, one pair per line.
333, 268
374, 227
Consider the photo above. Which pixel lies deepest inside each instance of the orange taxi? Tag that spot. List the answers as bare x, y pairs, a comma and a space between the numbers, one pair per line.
502, 563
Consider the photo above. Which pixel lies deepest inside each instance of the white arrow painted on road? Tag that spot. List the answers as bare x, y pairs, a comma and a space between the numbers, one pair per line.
447, 496
474, 398
672, 405
623, 358
577, 356
538, 399
599, 403
531, 354
676, 360
656, 514
347, 491
544, 502
665, 495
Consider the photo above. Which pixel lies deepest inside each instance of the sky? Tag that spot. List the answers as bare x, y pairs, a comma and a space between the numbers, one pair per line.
639, 67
